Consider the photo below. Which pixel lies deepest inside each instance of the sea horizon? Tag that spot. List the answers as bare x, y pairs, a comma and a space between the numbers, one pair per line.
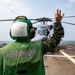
62, 42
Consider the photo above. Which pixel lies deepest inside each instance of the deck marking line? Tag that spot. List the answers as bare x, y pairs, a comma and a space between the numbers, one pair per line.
68, 56
58, 55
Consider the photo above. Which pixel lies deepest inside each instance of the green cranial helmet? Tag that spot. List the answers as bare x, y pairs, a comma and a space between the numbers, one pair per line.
20, 28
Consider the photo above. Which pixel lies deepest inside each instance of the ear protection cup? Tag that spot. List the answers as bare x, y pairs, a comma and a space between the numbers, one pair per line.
32, 33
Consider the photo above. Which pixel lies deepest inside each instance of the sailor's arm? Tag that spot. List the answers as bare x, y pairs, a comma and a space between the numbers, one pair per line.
49, 45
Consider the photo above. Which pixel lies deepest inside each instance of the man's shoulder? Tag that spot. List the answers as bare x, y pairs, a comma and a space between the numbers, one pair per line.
7, 46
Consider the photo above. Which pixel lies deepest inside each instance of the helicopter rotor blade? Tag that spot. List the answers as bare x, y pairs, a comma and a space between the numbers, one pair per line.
40, 19
37, 19
69, 17
7, 20
66, 17
68, 23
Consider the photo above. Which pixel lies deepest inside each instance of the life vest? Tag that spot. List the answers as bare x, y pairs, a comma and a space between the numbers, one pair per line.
23, 59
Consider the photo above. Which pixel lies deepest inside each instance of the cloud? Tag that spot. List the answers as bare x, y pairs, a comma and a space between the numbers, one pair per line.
14, 7
72, 1
69, 4
9, 9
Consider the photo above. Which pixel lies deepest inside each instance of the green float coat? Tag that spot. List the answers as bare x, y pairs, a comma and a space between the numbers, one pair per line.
25, 58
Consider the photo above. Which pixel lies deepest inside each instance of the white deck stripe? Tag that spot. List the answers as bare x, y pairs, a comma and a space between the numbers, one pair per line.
54, 55
58, 55
68, 56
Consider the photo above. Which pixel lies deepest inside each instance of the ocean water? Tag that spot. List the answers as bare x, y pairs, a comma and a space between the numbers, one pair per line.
67, 42
62, 42
7, 42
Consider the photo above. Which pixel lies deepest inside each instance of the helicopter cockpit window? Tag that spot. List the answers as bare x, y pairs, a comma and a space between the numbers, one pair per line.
42, 31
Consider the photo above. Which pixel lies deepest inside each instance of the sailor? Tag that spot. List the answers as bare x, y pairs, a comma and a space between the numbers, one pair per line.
23, 57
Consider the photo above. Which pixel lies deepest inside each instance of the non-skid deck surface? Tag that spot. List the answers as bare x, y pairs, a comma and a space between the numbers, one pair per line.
61, 62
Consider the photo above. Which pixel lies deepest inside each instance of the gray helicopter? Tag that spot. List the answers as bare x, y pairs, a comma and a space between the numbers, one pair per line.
43, 31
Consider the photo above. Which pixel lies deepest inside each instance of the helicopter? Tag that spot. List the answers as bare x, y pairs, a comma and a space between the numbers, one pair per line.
44, 30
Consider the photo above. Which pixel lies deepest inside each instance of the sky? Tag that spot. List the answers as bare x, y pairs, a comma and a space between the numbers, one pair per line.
9, 9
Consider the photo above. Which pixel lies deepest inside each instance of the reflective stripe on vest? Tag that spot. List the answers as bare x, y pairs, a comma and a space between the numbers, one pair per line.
21, 54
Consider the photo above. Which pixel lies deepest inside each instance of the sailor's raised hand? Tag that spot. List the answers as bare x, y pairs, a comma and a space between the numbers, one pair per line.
58, 15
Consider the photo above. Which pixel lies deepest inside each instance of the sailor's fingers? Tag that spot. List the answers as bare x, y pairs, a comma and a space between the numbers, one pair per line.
62, 15
60, 12
56, 14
